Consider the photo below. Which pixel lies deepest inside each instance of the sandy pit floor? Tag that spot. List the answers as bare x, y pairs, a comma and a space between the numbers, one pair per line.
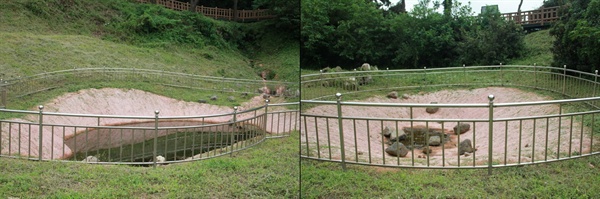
363, 141
122, 102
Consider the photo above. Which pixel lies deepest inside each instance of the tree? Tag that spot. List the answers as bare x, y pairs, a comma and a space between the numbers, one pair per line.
578, 36
447, 8
519, 12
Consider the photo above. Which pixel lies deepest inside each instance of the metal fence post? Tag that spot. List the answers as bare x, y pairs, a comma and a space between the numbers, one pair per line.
501, 75
156, 112
235, 108
341, 129
41, 131
564, 79
2, 94
535, 85
266, 114
595, 82
424, 73
491, 132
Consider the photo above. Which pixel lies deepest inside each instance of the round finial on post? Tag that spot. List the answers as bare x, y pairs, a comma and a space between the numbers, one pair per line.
387, 68
156, 112
338, 96
565, 66
596, 72
321, 71
464, 65
267, 101
534, 64
235, 108
491, 97
41, 107
355, 69
425, 67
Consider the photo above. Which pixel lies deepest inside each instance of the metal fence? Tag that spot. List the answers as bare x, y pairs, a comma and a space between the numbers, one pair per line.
351, 132
118, 139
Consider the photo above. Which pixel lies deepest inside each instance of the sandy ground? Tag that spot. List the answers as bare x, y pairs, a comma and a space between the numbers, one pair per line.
124, 102
364, 143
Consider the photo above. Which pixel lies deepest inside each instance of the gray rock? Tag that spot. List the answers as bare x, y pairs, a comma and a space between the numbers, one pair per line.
202, 101
461, 128
245, 94
405, 96
393, 95
400, 138
365, 80
465, 147
387, 132
397, 149
266, 96
427, 150
435, 141
231, 98
213, 98
432, 110
90, 159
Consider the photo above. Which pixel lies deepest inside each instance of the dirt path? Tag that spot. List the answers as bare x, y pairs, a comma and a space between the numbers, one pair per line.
363, 140
110, 101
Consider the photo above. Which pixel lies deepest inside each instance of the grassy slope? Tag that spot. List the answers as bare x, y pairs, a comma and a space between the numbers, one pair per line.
31, 44
538, 45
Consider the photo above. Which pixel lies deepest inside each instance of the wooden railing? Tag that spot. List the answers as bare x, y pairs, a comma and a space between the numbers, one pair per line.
543, 16
217, 13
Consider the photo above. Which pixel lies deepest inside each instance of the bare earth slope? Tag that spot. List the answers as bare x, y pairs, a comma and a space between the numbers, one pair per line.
110, 101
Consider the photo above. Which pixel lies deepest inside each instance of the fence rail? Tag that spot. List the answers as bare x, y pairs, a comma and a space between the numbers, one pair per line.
543, 16
122, 139
217, 13
351, 132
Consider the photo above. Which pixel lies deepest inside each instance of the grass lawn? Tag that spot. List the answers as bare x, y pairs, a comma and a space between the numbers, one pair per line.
268, 170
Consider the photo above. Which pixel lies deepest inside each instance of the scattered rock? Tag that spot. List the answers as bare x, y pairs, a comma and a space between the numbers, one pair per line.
387, 132
160, 159
467, 155
245, 94
231, 98
90, 159
213, 98
365, 66
365, 80
465, 147
393, 95
266, 96
360, 153
400, 138
435, 141
432, 110
461, 128
397, 149
427, 150
526, 145
405, 96
202, 101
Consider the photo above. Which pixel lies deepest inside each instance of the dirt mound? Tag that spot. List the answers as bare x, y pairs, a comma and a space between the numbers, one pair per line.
363, 139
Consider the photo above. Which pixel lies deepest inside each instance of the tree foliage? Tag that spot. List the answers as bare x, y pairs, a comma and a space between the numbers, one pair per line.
348, 33
578, 36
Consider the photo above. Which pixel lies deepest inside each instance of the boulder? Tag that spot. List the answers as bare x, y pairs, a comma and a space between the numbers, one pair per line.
393, 95
461, 128
432, 110
213, 98
160, 159
365, 66
202, 101
90, 159
465, 147
365, 80
427, 150
231, 98
435, 141
397, 149
405, 96
387, 132
401, 137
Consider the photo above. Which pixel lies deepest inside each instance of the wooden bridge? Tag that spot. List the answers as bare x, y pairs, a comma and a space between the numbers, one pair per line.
534, 18
217, 13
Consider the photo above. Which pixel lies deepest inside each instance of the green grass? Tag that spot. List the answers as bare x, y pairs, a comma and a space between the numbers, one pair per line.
567, 179
268, 170
537, 46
